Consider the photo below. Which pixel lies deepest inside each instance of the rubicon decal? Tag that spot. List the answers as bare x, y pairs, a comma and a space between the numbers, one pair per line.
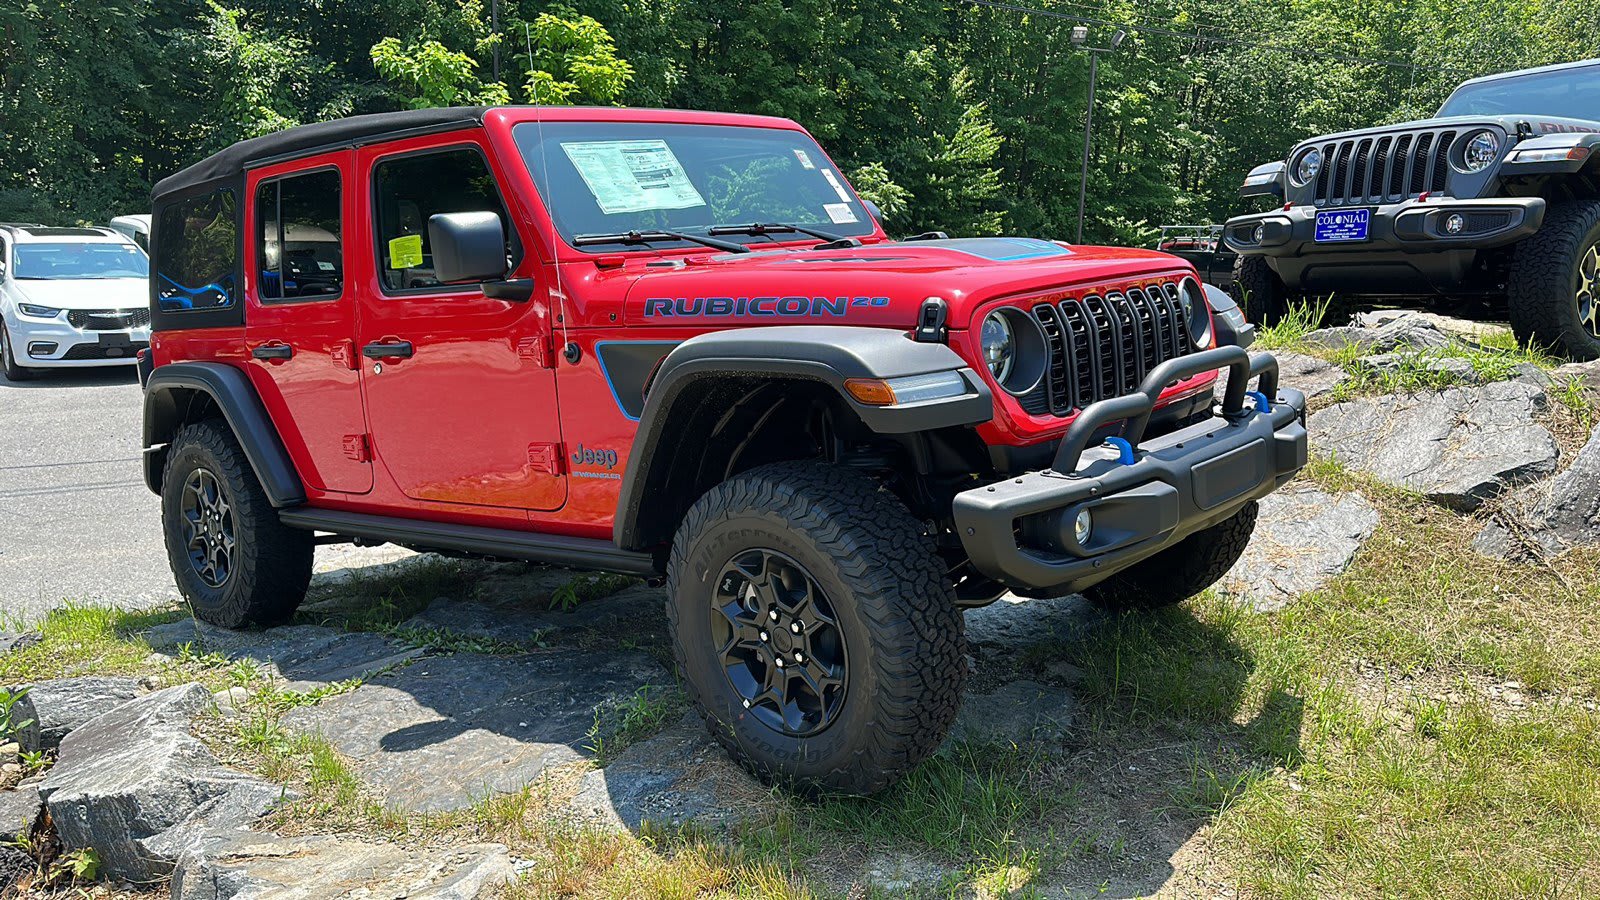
788, 307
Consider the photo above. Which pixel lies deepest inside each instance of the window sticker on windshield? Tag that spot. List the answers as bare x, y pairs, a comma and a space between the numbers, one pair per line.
633, 176
326, 266
840, 213
805, 159
837, 187
405, 251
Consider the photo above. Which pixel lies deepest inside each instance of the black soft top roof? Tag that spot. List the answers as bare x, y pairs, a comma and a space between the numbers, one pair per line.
229, 162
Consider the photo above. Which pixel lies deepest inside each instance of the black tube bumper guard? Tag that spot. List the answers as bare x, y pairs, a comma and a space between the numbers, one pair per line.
1141, 496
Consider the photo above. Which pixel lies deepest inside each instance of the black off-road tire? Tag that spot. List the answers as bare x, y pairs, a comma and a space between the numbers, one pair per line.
1259, 291
878, 568
270, 565
8, 359
1545, 276
1181, 571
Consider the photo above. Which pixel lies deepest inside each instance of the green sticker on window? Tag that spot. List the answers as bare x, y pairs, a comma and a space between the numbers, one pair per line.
405, 252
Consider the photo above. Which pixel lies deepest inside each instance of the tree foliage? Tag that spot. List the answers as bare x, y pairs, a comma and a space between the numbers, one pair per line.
957, 115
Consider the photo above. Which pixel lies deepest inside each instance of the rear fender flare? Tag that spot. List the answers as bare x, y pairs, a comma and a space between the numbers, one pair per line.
168, 397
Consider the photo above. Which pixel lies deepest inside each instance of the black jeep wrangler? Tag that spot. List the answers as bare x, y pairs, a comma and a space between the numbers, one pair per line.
1496, 198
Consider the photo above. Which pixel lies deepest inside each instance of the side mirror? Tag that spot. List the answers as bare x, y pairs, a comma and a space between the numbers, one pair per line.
873, 210
467, 246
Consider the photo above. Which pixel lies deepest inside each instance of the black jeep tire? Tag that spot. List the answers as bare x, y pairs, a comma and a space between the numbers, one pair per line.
897, 635
1259, 291
1554, 292
8, 359
209, 483
1180, 571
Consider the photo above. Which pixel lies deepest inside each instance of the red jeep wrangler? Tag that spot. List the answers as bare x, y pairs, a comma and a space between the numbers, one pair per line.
677, 343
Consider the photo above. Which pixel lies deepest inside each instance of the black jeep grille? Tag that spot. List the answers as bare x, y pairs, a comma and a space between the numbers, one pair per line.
108, 319
1103, 344
1383, 169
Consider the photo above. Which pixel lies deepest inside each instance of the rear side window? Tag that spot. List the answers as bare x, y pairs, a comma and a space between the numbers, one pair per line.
409, 189
198, 247
298, 254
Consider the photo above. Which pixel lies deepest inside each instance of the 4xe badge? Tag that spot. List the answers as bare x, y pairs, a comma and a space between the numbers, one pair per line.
602, 457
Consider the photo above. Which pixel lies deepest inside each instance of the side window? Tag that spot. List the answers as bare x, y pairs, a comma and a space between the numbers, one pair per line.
409, 189
298, 255
198, 246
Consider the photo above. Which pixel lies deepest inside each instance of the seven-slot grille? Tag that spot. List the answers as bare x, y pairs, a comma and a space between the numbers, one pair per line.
1104, 344
1384, 169
109, 319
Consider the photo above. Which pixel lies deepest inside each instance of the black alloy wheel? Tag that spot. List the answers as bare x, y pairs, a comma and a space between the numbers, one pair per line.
781, 647
208, 527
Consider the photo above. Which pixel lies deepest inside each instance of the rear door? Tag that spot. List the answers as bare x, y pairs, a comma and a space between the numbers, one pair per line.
460, 388
301, 322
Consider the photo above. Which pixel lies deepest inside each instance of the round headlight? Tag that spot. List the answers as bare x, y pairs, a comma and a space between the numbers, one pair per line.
1480, 151
1307, 166
1196, 312
999, 345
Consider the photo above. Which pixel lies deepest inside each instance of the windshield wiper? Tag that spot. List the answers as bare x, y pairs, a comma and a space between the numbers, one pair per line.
645, 237
757, 229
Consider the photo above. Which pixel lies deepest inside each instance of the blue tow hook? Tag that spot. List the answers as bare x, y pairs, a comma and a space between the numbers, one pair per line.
1125, 450
1262, 403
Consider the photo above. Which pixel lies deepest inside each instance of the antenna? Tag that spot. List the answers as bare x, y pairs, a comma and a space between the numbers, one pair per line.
568, 349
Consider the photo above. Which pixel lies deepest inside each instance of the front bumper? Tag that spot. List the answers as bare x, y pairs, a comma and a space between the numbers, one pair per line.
1412, 226
1143, 498
56, 343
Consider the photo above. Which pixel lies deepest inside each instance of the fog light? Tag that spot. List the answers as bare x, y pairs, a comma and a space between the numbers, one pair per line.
1455, 223
1083, 527
41, 348
1260, 234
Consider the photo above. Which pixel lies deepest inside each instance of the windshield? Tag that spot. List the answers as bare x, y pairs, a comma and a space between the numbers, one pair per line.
1567, 93
79, 260
600, 178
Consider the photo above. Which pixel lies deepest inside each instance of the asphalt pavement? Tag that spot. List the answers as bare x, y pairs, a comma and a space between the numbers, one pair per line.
76, 522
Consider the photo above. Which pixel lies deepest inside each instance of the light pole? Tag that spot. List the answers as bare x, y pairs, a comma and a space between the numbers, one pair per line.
1080, 35
494, 29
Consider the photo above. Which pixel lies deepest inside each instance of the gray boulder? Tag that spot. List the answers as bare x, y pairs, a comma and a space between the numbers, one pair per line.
1467, 329
1586, 373
19, 812
1458, 369
447, 731
1459, 447
1550, 518
1405, 331
1015, 713
1312, 376
256, 866
678, 776
58, 706
514, 607
1303, 538
306, 656
140, 790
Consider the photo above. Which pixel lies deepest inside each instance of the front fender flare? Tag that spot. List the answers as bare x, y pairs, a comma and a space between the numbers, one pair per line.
828, 354
165, 404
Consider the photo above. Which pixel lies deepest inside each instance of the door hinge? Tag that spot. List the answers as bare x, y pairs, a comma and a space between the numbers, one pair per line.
344, 354
358, 447
538, 350
546, 458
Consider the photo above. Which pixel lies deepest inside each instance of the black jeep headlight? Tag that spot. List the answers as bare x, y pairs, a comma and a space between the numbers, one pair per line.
1196, 313
1479, 151
1307, 165
1014, 349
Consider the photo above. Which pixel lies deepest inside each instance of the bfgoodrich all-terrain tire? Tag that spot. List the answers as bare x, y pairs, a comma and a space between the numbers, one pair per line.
236, 564
1554, 292
1180, 571
1259, 290
814, 628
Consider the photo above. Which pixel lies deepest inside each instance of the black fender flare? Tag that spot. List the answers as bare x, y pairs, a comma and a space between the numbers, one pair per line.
829, 354
165, 404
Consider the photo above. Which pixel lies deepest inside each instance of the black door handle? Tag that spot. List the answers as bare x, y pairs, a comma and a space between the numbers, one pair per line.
273, 351
388, 350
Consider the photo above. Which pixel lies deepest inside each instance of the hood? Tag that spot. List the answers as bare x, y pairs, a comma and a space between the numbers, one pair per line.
1506, 125
875, 284
86, 293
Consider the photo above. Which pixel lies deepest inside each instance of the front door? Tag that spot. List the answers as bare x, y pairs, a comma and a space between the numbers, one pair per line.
460, 398
301, 321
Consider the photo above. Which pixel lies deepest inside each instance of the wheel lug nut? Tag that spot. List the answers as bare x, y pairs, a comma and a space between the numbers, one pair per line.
799, 657
795, 627
747, 704
773, 615
764, 636
779, 661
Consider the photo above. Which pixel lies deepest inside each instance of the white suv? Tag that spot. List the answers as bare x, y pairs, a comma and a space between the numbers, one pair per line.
70, 297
